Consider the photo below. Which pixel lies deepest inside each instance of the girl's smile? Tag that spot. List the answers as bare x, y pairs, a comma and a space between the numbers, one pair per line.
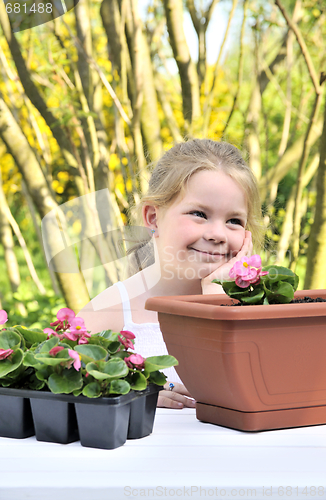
203, 229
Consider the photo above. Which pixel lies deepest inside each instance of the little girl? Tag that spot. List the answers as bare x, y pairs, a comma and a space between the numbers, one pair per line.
203, 210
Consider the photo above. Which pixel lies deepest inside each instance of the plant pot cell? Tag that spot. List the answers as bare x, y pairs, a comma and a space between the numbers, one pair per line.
105, 428
55, 421
142, 414
15, 417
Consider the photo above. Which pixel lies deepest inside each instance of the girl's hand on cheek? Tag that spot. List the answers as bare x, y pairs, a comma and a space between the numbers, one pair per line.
222, 273
178, 398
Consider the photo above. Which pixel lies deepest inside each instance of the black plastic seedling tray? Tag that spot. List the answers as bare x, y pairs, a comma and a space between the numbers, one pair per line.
99, 423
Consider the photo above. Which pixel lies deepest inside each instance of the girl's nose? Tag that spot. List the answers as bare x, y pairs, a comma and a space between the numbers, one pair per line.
215, 232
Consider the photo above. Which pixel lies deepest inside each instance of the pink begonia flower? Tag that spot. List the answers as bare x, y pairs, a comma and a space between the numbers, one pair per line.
59, 325
135, 361
3, 317
65, 314
127, 334
54, 351
74, 355
76, 330
126, 342
247, 271
50, 332
83, 340
4, 353
77, 325
71, 336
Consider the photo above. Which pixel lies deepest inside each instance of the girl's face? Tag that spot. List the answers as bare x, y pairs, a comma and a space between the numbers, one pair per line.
204, 229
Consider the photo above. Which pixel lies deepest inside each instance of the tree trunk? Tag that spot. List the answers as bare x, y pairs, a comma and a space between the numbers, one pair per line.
72, 284
187, 70
294, 249
285, 164
150, 123
316, 257
7, 242
31, 90
287, 226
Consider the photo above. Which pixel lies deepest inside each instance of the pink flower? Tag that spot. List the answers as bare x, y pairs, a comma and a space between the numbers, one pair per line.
127, 334
83, 340
71, 336
4, 353
59, 325
54, 351
126, 342
3, 317
50, 332
65, 314
247, 271
76, 330
74, 355
135, 361
77, 325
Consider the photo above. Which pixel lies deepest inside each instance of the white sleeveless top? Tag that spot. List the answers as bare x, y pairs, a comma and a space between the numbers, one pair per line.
149, 339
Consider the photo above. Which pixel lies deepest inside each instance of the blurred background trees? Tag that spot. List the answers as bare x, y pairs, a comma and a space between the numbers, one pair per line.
92, 99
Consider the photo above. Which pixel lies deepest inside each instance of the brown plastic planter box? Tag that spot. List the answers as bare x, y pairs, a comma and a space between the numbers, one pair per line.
249, 367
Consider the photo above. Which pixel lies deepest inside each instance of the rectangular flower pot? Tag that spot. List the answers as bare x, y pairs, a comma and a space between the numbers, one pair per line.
99, 423
248, 366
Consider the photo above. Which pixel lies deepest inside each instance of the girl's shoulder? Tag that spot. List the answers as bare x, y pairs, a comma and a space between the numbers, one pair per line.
104, 312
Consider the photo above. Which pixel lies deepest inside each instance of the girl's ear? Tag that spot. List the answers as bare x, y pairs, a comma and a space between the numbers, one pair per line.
149, 213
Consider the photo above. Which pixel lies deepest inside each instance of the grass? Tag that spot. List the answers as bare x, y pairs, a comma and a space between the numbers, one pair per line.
40, 309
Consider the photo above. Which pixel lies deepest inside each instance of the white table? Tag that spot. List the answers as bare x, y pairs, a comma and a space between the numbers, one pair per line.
182, 458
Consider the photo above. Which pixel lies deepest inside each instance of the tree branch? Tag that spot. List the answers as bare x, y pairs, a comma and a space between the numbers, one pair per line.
294, 27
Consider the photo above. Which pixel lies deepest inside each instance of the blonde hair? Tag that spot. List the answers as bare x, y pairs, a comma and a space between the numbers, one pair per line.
170, 177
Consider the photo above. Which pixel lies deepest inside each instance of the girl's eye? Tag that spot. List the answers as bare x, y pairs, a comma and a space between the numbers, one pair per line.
236, 221
199, 213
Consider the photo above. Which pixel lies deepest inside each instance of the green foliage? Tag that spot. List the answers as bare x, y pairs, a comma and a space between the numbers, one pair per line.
277, 287
29, 360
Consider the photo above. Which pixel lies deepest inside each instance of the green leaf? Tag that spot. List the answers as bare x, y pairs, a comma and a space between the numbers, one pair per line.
255, 297
114, 368
218, 282
9, 340
92, 390
29, 359
31, 335
138, 381
89, 352
157, 378
154, 363
9, 365
120, 387
49, 344
17, 373
43, 373
35, 384
109, 345
77, 392
281, 294
50, 360
108, 334
279, 273
113, 347
65, 383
